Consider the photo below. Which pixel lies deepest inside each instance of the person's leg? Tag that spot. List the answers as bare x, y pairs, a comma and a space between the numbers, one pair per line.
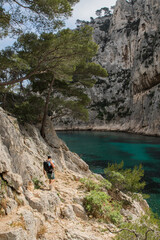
52, 180
49, 179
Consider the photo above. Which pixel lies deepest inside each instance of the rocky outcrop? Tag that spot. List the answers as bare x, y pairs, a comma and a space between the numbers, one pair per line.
23, 150
28, 209
129, 48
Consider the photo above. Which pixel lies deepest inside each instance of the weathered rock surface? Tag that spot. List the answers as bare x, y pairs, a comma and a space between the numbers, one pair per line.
28, 209
79, 211
129, 48
23, 150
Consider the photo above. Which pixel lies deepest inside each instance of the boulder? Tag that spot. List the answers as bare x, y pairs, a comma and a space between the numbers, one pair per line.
11, 205
29, 222
43, 201
15, 234
79, 211
14, 180
67, 212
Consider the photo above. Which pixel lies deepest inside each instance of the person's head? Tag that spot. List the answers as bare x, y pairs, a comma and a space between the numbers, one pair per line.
49, 158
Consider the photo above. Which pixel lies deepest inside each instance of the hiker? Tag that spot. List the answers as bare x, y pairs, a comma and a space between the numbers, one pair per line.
48, 168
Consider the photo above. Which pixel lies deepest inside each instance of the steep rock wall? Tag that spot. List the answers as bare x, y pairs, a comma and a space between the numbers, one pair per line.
28, 209
23, 150
129, 48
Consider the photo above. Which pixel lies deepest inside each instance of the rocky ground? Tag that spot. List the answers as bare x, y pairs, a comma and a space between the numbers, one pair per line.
56, 214
52, 214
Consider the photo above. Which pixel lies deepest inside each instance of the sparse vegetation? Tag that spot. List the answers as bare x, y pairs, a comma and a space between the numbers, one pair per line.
41, 231
19, 223
37, 183
19, 202
3, 200
90, 184
146, 228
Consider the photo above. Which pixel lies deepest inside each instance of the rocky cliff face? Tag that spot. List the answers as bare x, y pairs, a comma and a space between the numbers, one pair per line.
30, 213
129, 48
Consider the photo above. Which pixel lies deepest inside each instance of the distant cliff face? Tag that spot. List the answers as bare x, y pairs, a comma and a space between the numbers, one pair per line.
129, 48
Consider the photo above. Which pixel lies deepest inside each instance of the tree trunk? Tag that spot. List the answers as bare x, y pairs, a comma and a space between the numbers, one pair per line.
45, 113
4, 100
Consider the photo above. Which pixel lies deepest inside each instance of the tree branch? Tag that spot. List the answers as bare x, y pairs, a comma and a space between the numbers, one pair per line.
21, 79
125, 229
21, 5
146, 234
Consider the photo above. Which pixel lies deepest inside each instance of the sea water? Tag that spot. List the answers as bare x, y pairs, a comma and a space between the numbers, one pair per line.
98, 149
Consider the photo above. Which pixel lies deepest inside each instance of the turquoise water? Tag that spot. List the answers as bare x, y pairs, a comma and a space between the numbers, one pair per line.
99, 148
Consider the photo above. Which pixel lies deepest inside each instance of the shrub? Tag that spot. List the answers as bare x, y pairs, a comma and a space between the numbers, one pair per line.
146, 228
98, 204
90, 184
37, 183
106, 184
3, 186
126, 180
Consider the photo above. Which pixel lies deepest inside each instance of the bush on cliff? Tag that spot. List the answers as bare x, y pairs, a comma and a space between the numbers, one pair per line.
145, 228
125, 179
100, 206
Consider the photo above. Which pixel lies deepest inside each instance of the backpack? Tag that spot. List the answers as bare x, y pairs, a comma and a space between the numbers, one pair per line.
47, 166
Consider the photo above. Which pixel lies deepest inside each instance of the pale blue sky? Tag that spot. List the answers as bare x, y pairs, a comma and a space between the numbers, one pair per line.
83, 11
86, 9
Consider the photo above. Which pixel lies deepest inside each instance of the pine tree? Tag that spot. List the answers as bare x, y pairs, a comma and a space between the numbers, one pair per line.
19, 15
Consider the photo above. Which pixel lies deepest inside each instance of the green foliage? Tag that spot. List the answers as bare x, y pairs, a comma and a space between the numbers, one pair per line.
66, 54
21, 15
90, 184
3, 201
3, 185
98, 204
37, 183
146, 228
28, 109
126, 180
106, 184
45, 59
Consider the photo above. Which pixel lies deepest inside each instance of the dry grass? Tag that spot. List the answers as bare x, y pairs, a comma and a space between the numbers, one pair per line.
3, 203
19, 201
19, 223
41, 231
2, 212
3, 206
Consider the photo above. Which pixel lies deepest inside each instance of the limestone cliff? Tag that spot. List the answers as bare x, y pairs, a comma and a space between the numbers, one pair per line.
28, 209
129, 48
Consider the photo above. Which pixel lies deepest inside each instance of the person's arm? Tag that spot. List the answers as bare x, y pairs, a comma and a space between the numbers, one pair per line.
52, 164
44, 170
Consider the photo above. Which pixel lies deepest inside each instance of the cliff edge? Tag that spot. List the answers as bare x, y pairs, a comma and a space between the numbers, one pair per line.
28, 209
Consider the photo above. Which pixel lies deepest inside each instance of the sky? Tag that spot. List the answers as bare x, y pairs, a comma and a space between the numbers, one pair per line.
82, 10
86, 9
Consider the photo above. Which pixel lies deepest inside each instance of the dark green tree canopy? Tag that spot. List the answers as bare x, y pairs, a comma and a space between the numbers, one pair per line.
103, 11
58, 54
53, 63
19, 15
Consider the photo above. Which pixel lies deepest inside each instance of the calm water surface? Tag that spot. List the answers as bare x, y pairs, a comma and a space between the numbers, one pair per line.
99, 148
